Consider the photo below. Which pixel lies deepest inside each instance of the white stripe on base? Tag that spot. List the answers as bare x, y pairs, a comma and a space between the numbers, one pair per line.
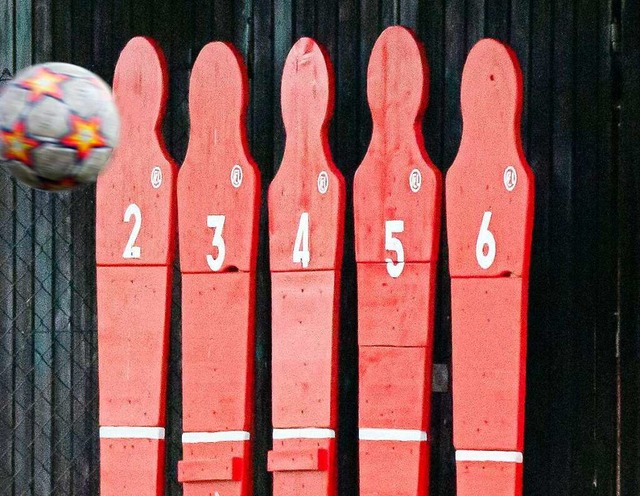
215, 437
488, 456
304, 433
132, 432
371, 434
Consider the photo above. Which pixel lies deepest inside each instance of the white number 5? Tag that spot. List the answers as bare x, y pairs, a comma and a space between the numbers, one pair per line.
394, 244
485, 239
130, 250
301, 253
217, 223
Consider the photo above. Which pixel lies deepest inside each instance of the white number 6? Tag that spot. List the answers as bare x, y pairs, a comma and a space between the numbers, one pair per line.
394, 244
301, 253
130, 250
217, 223
485, 238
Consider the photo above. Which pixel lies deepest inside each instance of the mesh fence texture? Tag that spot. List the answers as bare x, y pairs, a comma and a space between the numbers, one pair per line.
49, 440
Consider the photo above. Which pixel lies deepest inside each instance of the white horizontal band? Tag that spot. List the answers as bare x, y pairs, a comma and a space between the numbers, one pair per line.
369, 434
488, 456
215, 437
132, 432
304, 433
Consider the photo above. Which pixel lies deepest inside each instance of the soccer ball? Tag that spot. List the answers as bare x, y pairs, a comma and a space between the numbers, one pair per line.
58, 126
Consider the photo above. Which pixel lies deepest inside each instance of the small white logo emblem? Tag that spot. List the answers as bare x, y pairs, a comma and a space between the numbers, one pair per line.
323, 182
156, 177
415, 180
236, 176
510, 178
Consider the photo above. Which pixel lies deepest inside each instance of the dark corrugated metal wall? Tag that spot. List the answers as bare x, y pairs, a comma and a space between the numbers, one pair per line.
48, 373
581, 65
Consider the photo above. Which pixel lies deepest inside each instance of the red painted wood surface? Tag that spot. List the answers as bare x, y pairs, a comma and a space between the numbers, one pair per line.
393, 386
229, 469
219, 176
395, 311
489, 194
481, 178
489, 335
497, 479
306, 224
141, 171
397, 197
218, 209
131, 466
385, 185
135, 243
133, 306
307, 167
292, 474
409, 461
298, 460
305, 340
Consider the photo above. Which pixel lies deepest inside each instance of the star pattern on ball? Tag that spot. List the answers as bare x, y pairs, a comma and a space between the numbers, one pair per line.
85, 136
18, 145
44, 83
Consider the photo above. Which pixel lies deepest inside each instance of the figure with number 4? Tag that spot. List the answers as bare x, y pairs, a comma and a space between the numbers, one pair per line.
306, 223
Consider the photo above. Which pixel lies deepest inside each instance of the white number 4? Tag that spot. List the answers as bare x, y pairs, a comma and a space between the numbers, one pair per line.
216, 222
130, 250
485, 239
394, 244
301, 253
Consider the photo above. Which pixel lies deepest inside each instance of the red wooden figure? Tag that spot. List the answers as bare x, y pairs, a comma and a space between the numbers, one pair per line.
218, 209
306, 228
397, 196
489, 221
135, 243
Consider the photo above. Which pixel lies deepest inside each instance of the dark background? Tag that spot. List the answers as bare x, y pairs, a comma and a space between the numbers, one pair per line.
581, 134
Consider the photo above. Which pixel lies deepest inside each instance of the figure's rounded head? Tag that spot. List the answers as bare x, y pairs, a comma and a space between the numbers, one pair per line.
491, 90
140, 84
218, 82
307, 85
397, 77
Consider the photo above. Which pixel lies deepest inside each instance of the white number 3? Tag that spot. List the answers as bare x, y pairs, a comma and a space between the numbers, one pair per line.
394, 244
217, 223
485, 239
301, 253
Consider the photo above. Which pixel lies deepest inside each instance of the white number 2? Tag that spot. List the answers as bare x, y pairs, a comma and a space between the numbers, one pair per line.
394, 244
216, 222
485, 239
130, 250
301, 253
